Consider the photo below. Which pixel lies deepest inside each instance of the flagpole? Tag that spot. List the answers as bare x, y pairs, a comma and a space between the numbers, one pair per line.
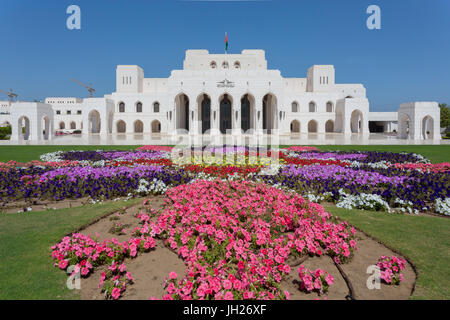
226, 43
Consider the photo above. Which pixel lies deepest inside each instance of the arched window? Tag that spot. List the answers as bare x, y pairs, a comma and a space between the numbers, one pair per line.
122, 107
156, 107
62, 125
312, 106
329, 106
237, 65
225, 65
294, 106
73, 125
213, 65
139, 107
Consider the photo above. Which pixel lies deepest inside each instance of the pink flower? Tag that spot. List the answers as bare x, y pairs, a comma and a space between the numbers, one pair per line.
228, 296
84, 271
227, 284
173, 275
188, 287
329, 279
287, 294
63, 264
129, 277
115, 293
237, 284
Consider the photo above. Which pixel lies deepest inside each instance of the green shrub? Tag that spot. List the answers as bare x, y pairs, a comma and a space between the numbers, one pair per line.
5, 130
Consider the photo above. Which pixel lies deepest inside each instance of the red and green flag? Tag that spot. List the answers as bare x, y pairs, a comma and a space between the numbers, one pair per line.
226, 42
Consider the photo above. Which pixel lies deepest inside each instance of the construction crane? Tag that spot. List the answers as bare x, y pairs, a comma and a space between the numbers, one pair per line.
10, 94
89, 87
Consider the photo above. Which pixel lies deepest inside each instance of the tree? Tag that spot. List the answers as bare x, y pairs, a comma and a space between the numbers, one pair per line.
445, 115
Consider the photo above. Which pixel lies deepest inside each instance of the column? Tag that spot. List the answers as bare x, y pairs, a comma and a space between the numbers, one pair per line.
215, 129
347, 126
51, 126
172, 120
193, 121
258, 115
304, 127
236, 123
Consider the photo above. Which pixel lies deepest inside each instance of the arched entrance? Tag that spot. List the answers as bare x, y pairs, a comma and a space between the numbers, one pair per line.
121, 126
182, 111
312, 126
356, 122
94, 122
269, 112
46, 128
329, 126
62, 125
138, 126
73, 125
247, 112
23, 127
156, 126
225, 114
204, 112
427, 127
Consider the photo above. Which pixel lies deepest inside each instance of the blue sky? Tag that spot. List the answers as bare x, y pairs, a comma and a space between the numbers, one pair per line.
407, 60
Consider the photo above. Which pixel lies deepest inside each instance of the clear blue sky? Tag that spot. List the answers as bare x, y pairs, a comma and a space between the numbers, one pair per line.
407, 60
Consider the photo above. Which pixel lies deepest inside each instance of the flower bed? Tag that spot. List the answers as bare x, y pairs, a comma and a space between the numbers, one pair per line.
390, 269
318, 280
235, 237
367, 180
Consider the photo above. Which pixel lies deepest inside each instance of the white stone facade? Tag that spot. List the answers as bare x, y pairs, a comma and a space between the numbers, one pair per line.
419, 121
219, 93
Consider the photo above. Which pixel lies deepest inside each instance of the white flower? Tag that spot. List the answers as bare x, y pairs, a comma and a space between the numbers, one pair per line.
51, 157
318, 198
362, 201
443, 206
154, 187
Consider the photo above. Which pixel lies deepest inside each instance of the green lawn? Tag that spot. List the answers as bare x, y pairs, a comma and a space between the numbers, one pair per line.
436, 153
26, 266
424, 240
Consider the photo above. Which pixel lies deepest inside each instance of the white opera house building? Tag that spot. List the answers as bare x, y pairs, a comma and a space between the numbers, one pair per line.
221, 94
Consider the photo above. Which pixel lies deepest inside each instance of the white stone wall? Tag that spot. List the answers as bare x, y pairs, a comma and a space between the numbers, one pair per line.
36, 117
419, 121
